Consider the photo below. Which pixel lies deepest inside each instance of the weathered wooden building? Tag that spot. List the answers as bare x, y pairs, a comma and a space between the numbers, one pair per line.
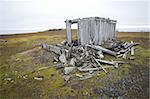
92, 30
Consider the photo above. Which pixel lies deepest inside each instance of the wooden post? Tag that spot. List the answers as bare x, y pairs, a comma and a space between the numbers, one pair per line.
103, 30
132, 49
111, 29
69, 33
115, 29
78, 32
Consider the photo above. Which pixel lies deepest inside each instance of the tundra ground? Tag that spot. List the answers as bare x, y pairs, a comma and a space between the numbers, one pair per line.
21, 57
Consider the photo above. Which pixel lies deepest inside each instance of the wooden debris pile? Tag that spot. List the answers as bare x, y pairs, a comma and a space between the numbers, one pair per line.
82, 61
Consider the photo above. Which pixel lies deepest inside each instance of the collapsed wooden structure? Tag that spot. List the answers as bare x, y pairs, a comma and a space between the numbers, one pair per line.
88, 59
87, 54
92, 30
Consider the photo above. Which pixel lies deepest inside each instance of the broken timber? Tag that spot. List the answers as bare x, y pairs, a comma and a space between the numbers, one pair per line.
86, 58
86, 53
52, 48
103, 49
93, 69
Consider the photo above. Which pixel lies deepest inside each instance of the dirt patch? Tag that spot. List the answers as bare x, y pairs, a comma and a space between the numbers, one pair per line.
39, 55
43, 57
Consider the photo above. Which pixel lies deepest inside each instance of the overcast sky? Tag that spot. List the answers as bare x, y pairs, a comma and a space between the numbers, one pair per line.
37, 15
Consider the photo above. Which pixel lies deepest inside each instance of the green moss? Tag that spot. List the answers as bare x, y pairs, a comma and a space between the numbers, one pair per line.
141, 55
143, 52
102, 74
46, 73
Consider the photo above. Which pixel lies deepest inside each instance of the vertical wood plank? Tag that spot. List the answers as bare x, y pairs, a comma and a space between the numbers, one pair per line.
69, 33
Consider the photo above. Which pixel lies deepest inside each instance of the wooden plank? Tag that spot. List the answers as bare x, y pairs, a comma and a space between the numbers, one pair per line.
111, 29
78, 31
100, 31
105, 30
132, 49
114, 30
69, 33
103, 49
93, 69
96, 36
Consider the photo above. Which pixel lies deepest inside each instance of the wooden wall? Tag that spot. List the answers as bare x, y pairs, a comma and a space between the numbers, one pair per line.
92, 30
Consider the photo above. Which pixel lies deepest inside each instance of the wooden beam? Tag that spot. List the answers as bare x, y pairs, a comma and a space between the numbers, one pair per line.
103, 49
69, 33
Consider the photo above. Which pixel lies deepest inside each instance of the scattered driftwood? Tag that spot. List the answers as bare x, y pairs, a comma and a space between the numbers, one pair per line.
114, 63
42, 68
132, 58
103, 49
62, 58
94, 69
52, 48
68, 70
39, 78
8, 79
88, 59
100, 65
